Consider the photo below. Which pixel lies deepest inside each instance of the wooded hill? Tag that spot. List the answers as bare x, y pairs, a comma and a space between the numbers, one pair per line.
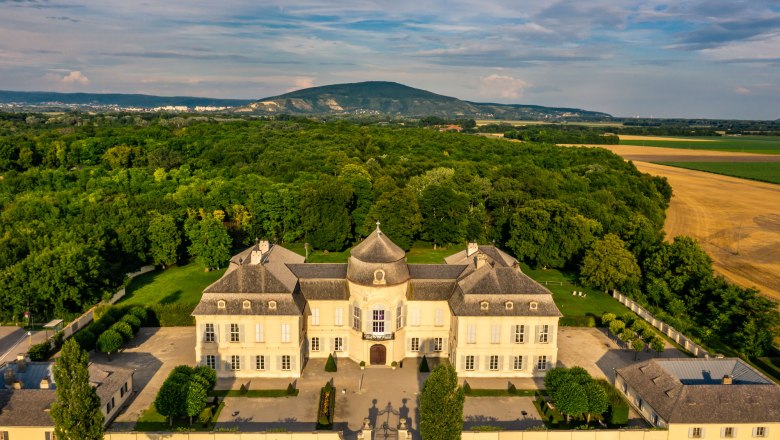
390, 98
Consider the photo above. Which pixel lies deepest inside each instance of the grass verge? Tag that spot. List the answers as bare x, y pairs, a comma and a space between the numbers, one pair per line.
174, 285
740, 144
151, 420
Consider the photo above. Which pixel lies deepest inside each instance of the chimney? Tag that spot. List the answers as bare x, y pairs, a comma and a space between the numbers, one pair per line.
17, 385
21, 357
256, 257
472, 249
481, 260
264, 246
45, 383
727, 380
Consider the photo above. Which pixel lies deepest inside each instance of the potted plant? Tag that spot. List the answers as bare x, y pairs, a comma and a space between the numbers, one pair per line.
394, 364
362, 365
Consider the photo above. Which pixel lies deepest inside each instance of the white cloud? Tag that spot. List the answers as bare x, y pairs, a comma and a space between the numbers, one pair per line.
302, 82
743, 90
74, 77
502, 87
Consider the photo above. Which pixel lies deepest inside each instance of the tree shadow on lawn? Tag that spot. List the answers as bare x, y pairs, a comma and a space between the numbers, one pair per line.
172, 297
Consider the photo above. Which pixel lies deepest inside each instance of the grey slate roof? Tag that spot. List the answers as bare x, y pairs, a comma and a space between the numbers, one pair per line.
108, 379
494, 254
470, 305
430, 290
249, 278
286, 304
753, 400
500, 280
377, 248
26, 407
436, 271
319, 289
361, 272
319, 270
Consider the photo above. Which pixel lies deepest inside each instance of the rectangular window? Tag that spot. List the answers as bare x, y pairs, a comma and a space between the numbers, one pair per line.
517, 363
235, 362
438, 344
495, 334
541, 363
110, 406
357, 318
259, 333
286, 362
519, 333
415, 317
339, 320
415, 344
378, 321
543, 332
234, 333
640, 404
494, 363
209, 335
470, 363
655, 419
728, 432
471, 334
338, 344
439, 318
48, 436
315, 316
260, 362
123, 390
759, 431
315, 344
694, 432
399, 317
211, 361
285, 332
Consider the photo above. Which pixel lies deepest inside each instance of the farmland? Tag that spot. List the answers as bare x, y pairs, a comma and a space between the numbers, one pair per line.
742, 144
761, 171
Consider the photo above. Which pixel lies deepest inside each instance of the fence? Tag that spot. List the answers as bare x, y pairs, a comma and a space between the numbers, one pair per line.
223, 435
665, 328
89, 315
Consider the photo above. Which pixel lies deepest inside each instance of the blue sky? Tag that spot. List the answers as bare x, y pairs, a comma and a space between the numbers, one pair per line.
703, 58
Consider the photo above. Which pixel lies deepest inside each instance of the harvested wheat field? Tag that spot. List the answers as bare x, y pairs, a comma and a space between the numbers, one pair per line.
663, 154
736, 221
631, 137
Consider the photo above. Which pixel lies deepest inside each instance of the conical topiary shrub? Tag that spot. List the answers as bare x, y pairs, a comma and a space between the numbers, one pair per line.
330, 366
424, 368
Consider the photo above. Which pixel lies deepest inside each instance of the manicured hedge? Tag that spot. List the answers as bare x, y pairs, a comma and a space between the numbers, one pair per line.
577, 321
617, 415
327, 408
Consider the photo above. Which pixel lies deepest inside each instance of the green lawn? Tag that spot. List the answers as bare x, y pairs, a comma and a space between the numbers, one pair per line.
253, 393
742, 144
561, 284
762, 171
176, 284
420, 252
151, 420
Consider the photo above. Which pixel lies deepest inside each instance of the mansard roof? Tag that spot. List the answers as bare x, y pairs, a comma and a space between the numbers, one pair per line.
377, 248
691, 391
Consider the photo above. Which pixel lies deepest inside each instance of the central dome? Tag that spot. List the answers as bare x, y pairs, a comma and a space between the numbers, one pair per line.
377, 248
377, 260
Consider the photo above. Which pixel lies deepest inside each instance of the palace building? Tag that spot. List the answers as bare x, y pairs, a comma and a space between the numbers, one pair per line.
271, 311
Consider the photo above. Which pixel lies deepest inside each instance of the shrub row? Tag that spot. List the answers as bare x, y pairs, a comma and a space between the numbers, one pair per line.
112, 327
327, 408
617, 414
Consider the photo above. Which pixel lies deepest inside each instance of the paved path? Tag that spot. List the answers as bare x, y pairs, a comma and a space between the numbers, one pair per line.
14, 340
153, 353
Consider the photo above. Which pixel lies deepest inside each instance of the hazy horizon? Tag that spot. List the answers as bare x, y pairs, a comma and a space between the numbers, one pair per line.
690, 59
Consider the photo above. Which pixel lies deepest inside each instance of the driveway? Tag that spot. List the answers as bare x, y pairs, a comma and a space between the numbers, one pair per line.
14, 340
153, 353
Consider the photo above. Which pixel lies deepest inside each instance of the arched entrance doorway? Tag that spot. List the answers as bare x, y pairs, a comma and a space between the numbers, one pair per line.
378, 354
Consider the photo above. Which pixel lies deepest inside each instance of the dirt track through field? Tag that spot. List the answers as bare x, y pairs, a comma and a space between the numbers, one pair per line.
736, 221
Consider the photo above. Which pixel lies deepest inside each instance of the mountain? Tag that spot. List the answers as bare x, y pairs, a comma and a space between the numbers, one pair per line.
390, 98
113, 99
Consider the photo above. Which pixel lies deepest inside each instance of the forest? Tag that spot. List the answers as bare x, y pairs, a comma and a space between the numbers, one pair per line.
85, 199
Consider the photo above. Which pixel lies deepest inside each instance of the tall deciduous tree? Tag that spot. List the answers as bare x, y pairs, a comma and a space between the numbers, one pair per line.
326, 219
399, 214
441, 405
571, 399
164, 238
444, 213
210, 242
598, 403
76, 412
609, 265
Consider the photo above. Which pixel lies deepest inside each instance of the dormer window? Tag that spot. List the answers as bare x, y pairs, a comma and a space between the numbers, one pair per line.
379, 277
247, 304
534, 305
484, 305
272, 305
221, 304
509, 305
